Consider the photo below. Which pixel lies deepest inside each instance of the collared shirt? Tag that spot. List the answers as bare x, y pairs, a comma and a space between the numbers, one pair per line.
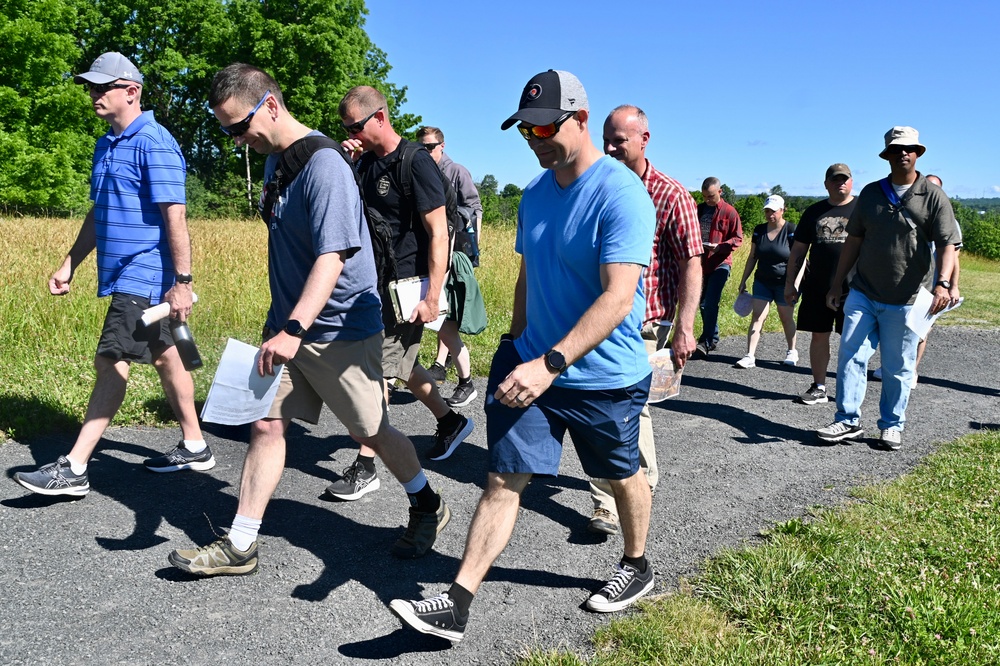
677, 238
726, 232
132, 174
461, 180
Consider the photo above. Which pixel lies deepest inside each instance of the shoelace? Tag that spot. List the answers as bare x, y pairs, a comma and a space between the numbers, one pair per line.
619, 581
438, 603
351, 472
55, 470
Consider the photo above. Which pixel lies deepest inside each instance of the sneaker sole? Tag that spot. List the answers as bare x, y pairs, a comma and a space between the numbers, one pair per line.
404, 611
370, 488
465, 432
611, 607
472, 396
791, 365
78, 491
240, 570
812, 401
197, 466
841, 437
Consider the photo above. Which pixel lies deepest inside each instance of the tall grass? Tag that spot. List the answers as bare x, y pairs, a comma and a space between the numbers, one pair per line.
46, 355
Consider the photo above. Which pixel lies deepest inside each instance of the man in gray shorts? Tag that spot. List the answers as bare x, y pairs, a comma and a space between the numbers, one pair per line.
324, 324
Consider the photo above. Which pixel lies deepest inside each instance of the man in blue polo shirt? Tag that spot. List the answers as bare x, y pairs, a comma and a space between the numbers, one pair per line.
574, 359
138, 226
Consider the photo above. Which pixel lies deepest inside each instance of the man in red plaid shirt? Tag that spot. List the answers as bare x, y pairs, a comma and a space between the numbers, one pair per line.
672, 281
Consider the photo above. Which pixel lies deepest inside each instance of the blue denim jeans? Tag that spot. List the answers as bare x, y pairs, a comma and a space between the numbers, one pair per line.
711, 294
867, 324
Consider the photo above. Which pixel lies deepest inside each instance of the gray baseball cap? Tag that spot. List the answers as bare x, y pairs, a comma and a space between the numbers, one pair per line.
109, 67
547, 97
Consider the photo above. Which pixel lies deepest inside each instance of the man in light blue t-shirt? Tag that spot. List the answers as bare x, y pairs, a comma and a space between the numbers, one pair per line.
574, 359
138, 226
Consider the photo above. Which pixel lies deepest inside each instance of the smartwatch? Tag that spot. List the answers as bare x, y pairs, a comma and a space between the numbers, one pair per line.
294, 328
555, 361
184, 278
944, 283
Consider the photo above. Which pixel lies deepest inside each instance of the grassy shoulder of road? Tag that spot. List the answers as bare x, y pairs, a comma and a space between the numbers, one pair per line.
46, 360
907, 573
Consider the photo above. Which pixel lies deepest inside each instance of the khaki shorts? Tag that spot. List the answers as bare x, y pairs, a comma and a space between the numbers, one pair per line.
400, 350
345, 375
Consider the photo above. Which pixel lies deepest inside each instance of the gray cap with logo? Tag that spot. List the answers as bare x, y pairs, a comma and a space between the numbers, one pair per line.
109, 67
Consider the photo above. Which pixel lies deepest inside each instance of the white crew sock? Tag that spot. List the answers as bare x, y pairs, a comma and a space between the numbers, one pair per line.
75, 467
243, 533
195, 446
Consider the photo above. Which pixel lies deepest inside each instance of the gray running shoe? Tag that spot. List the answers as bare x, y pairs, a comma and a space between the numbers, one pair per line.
838, 431
624, 589
219, 558
463, 395
55, 479
603, 522
179, 458
436, 616
813, 396
421, 532
355, 484
445, 443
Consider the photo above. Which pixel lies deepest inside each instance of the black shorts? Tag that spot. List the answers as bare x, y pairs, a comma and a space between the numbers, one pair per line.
125, 338
815, 317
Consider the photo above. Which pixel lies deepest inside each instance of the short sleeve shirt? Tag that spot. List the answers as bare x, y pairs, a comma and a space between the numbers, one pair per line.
772, 255
564, 236
823, 227
317, 213
383, 192
133, 174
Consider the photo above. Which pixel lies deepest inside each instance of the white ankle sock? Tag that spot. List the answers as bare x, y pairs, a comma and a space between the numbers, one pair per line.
76, 467
195, 445
243, 533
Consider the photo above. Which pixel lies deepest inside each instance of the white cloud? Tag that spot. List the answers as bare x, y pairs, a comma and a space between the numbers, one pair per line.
996, 188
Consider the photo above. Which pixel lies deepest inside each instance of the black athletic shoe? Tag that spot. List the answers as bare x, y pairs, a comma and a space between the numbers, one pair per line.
463, 395
624, 589
421, 532
55, 479
436, 616
445, 443
179, 458
356, 483
813, 396
437, 372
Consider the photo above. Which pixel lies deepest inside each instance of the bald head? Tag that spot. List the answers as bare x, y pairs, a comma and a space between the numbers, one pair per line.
626, 133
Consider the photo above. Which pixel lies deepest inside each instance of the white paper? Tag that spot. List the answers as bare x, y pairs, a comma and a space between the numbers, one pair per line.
238, 394
409, 293
919, 320
158, 312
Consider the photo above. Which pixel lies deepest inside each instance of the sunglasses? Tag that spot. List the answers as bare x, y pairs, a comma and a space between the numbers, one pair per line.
101, 88
431, 146
543, 131
896, 150
355, 128
240, 128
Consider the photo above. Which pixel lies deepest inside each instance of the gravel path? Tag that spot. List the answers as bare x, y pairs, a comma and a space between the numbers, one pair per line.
88, 582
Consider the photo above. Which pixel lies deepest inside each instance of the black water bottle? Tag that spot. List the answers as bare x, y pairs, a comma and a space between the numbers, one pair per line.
184, 342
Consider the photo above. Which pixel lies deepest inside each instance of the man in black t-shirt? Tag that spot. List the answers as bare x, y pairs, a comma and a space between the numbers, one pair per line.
420, 240
823, 228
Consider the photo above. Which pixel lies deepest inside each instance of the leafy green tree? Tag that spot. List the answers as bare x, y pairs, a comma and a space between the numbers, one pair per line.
511, 191
751, 210
728, 194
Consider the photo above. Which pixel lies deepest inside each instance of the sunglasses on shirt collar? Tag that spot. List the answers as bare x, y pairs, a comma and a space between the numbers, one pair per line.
240, 128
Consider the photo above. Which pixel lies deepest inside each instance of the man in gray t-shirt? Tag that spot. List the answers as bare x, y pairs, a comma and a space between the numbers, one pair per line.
889, 237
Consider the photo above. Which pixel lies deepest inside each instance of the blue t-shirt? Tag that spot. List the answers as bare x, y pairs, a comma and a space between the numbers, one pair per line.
132, 174
564, 235
317, 213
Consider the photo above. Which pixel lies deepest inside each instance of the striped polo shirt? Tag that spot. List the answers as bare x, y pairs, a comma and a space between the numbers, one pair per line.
132, 174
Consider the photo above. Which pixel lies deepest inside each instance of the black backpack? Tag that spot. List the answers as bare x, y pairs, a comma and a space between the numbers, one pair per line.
293, 159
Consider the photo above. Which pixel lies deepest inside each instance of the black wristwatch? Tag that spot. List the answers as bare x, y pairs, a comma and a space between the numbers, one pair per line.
555, 361
294, 328
944, 283
184, 278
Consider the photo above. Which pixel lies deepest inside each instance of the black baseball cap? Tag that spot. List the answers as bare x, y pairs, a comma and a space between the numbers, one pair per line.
548, 96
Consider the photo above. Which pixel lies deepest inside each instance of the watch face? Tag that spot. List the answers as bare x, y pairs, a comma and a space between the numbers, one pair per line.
556, 360
293, 327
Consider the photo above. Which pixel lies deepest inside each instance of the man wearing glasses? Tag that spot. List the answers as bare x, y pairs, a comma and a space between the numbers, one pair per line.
889, 237
574, 358
138, 226
420, 241
324, 325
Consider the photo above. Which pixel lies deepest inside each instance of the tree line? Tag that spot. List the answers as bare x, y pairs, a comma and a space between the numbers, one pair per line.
318, 49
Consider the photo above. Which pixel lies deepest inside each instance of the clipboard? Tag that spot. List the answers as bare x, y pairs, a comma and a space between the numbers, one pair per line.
406, 293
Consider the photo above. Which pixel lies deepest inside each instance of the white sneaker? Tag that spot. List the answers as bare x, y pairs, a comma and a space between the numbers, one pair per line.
792, 357
746, 363
891, 439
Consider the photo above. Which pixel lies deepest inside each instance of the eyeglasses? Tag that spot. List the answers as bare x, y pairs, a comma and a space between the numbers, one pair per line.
101, 88
355, 128
897, 149
240, 128
543, 131
431, 146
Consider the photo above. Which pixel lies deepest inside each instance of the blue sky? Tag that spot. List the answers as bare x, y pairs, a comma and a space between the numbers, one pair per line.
755, 93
